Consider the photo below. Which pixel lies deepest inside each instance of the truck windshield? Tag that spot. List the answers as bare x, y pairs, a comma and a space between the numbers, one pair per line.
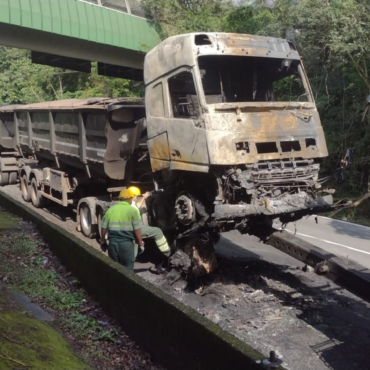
228, 79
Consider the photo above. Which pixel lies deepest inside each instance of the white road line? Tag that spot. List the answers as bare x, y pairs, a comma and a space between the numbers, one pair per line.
329, 242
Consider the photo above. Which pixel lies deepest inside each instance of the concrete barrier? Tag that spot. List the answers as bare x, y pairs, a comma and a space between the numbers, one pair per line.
174, 334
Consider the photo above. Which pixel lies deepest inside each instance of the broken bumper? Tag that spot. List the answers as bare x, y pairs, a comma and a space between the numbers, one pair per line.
275, 207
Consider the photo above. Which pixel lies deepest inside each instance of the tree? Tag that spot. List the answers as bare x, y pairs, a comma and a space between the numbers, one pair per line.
183, 16
24, 82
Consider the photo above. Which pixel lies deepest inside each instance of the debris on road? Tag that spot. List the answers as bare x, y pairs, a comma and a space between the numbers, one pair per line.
280, 309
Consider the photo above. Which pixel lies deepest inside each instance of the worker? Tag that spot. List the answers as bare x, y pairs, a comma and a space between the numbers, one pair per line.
149, 232
123, 224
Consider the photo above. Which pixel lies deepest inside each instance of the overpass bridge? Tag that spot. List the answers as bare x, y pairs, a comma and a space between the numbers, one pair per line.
72, 33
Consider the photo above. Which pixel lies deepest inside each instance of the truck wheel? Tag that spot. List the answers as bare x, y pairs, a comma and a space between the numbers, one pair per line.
4, 178
36, 197
87, 227
25, 188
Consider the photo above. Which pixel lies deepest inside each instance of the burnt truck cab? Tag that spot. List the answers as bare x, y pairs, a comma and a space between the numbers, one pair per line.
238, 109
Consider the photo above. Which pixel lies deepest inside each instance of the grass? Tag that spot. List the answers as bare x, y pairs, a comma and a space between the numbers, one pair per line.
25, 269
88, 327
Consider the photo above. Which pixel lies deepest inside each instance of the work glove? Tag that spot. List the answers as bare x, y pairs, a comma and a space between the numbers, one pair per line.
147, 195
141, 249
103, 246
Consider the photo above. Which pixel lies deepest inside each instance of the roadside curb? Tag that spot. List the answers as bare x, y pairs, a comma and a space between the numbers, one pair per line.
176, 335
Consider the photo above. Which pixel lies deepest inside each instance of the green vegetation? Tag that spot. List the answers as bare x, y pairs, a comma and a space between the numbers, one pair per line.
26, 343
23, 82
25, 269
332, 37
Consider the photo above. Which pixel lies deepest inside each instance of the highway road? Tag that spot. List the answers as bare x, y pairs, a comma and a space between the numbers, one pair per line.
340, 238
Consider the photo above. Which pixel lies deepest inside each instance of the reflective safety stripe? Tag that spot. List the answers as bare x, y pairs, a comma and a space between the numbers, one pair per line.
120, 223
163, 245
120, 227
137, 224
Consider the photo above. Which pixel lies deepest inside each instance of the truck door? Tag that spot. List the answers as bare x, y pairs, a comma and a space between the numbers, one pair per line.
186, 133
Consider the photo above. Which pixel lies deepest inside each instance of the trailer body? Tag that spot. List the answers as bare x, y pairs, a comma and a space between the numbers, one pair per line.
73, 152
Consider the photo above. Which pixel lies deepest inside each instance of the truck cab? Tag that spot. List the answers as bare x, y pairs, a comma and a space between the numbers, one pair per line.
235, 113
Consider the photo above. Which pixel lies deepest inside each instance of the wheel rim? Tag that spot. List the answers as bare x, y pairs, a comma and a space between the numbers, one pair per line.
100, 219
184, 208
85, 217
24, 188
34, 193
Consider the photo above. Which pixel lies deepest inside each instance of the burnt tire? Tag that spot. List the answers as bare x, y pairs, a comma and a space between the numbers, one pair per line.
25, 188
37, 199
88, 229
4, 178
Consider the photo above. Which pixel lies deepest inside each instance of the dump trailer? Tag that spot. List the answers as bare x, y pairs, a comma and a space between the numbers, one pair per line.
229, 138
74, 152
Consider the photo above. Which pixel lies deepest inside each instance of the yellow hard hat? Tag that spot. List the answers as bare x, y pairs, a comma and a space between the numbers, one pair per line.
136, 191
126, 194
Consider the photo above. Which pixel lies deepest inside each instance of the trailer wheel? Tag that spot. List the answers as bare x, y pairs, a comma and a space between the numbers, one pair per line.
36, 197
25, 188
4, 178
87, 227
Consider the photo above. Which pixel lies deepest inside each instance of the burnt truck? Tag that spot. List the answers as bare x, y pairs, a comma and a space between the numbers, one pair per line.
233, 126
228, 137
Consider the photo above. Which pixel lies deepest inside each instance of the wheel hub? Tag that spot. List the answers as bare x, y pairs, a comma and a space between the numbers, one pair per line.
185, 211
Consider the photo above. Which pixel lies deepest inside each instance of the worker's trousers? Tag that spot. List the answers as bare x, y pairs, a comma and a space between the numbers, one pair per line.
156, 233
123, 251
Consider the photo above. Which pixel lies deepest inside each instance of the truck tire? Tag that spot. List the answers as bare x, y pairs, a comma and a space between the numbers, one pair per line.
36, 197
4, 178
87, 226
25, 188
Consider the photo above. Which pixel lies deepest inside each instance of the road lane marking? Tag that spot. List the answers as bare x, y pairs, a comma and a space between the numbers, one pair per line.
328, 241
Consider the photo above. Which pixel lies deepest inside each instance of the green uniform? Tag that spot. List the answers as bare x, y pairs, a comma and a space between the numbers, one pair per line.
121, 220
149, 232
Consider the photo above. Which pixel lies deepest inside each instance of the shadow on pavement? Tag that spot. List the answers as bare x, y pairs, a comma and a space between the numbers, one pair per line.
353, 230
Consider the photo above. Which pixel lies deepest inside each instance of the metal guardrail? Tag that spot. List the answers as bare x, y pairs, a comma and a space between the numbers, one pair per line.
132, 7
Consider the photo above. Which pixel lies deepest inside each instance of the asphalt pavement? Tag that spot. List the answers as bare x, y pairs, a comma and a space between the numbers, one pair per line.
341, 238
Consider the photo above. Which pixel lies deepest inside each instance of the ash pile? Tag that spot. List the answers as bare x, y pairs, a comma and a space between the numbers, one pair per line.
308, 321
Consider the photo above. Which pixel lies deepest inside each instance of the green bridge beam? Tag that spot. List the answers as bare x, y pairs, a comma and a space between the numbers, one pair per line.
77, 29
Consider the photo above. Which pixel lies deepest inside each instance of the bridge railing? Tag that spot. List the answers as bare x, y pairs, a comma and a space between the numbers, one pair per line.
132, 7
